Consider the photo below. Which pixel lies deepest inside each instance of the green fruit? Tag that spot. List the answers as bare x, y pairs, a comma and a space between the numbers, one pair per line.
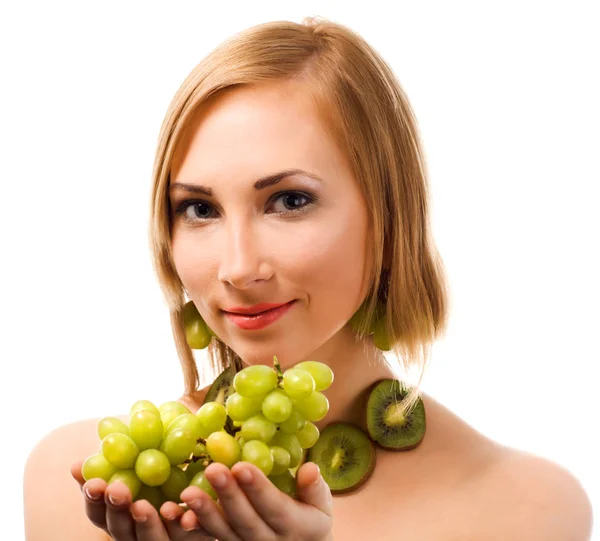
111, 425
96, 466
152, 467
175, 484
120, 450
381, 338
255, 380
153, 495
345, 455
286, 482
199, 480
387, 424
146, 429
222, 388
129, 478
320, 372
197, 333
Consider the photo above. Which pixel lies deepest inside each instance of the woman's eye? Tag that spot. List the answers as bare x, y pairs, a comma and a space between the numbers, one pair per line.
283, 203
293, 201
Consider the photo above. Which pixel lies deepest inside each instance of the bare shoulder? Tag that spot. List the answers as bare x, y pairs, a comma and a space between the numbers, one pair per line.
53, 503
524, 496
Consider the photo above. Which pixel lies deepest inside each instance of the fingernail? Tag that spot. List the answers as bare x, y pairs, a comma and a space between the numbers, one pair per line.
244, 476
138, 518
115, 500
196, 505
90, 495
220, 481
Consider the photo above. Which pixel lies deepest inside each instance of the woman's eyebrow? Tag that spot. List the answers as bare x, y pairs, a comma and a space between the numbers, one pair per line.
260, 184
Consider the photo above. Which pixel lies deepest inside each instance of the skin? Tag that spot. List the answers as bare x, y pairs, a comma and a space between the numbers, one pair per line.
239, 247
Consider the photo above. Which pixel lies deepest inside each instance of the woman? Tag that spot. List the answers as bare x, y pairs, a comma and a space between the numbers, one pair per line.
289, 171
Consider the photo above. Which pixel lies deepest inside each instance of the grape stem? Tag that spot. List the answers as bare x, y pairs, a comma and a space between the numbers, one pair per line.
277, 367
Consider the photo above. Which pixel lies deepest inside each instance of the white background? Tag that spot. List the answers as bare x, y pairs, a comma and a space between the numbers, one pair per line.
506, 94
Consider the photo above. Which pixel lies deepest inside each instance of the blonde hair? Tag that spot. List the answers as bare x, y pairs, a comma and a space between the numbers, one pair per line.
367, 112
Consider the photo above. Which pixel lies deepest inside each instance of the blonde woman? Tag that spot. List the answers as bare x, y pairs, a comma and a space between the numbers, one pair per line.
290, 180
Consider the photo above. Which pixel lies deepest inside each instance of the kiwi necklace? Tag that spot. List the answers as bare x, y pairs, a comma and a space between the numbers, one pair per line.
345, 453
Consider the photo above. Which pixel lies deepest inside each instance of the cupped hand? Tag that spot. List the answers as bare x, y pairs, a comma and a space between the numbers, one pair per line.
111, 509
250, 508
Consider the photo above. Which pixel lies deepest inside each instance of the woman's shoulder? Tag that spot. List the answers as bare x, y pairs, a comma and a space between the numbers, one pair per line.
524, 495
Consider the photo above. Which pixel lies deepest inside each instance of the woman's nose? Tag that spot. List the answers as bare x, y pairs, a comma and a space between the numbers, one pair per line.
242, 262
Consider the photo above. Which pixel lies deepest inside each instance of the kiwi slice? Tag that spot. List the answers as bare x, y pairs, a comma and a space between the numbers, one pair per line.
222, 387
345, 455
385, 422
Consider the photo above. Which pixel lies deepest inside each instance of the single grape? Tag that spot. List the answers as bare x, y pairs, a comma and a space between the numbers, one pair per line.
178, 445
144, 405
199, 450
120, 450
152, 467
223, 448
153, 495
258, 428
277, 406
188, 421
146, 429
258, 453
291, 444
240, 408
97, 466
255, 380
175, 484
213, 416
281, 460
111, 425
308, 436
293, 423
173, 405
321, 373
313, 408
200, 481
129, 478
298, 383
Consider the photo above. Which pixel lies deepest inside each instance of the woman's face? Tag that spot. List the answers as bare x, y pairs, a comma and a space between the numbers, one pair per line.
300, 238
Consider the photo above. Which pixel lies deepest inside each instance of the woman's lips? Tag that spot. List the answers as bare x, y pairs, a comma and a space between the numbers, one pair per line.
261, 320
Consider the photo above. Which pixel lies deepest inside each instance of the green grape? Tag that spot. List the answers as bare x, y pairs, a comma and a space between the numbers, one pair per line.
381, 337
312, 408
321, 373
152, 467
188, 421
293, 423
173, 405
213, 416
97, 466
144, 405
175, 484
223, 448
308, 436
178, 445
169, 416
277, 406
200, 481
240, 408
120, 450
146, 429
285, 482
197, 333
111, 425
258, 453
298, 383
129, 479
291, 444
258, 428
153, 495
281, 460
255, 380
194, 468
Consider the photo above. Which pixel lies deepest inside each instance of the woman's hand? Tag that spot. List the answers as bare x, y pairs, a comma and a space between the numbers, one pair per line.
117, 519
249, 510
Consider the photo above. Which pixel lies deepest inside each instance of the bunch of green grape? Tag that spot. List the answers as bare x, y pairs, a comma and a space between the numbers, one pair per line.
268, 421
